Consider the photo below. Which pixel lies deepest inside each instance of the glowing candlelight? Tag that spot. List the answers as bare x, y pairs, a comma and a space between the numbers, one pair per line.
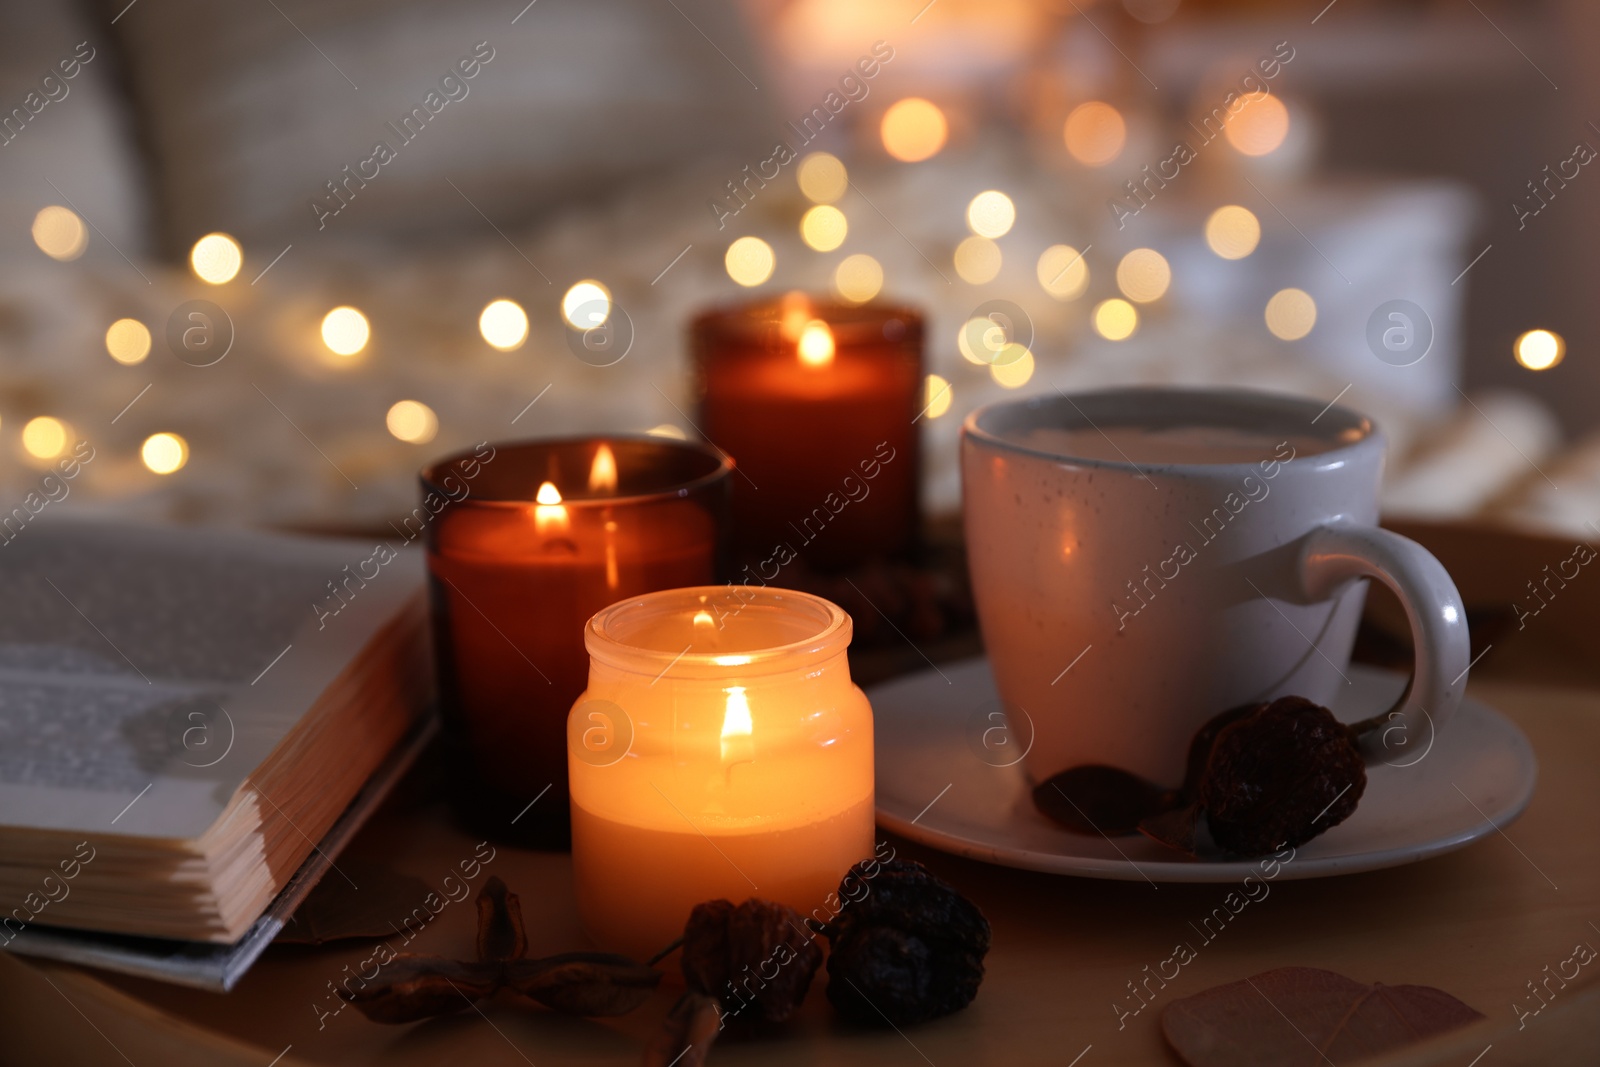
603, 471
738, 746
549, 514
816, 344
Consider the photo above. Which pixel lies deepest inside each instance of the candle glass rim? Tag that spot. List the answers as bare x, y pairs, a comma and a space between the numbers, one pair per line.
431, 475
835, 629
849, 323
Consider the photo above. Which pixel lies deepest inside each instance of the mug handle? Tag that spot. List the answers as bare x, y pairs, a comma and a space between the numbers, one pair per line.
1342, 550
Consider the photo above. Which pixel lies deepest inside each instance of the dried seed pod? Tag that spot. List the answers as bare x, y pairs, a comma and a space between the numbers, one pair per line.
685, 1039
758, 958
907, 949
589, 984
421, 987
1280, 776
500, 932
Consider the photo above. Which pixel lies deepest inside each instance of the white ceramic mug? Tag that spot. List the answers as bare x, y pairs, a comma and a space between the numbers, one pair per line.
1124, 603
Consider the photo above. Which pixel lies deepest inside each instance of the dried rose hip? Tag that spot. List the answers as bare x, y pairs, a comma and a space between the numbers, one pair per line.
1279, 776
906, 947
758, 959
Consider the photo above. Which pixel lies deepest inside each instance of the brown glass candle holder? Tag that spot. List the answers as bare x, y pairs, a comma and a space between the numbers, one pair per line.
527, 540
817, 402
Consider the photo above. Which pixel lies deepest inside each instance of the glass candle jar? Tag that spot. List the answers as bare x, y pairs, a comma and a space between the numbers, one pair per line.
528, 541
818, 404
720, 751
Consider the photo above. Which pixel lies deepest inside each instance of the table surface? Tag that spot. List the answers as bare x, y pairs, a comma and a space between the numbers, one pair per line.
1480, 923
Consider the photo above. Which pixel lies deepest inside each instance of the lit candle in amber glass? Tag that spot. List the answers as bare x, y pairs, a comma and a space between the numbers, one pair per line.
817, 402
720, 751
530, 539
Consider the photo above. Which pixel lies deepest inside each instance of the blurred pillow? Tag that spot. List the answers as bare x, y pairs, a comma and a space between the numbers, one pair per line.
61, 123
253, 111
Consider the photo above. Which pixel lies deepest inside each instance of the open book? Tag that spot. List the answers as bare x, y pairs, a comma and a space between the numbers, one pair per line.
184, 715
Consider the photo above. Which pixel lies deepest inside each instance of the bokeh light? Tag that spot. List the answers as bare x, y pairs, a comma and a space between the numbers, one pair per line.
750, 261
1143, 275
60, 233
1063, 272
1115, 319
412, 421
345, 331
1259, 126
991, 214
858, 278
824, 227
164, 453
823, 179
937, 396
1540, 349
914, 129
504, 324
1290, 314
128, 341
985, 342
1013, 368
586, 305
1233, 231
1095, 133
977, 260
45, 437
216, 258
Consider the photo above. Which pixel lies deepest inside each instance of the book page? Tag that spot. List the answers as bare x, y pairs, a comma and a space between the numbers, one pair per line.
145, 671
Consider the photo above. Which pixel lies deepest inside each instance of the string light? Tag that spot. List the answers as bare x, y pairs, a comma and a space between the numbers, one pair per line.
1540, 349
586, 305
750, 261
1290, 314
504, 324
824, 227
858, 278
412, 421
1013, 367
914, 129
823, 179
216, 258
45, 437
1233, 232
1143, 275
937, 396
164, 453
60, 233
977, 260
1095, 133
1115, 319
991, 214
128, 341
1063, 272
345, 331
1259, 126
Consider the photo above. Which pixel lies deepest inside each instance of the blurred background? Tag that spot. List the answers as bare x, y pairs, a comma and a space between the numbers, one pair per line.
265, 260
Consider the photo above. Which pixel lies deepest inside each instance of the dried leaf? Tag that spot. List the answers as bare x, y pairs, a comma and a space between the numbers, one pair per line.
685, 1038
1177, 829
584, 983
420, 987
501, 935
1305, 1017
334, 911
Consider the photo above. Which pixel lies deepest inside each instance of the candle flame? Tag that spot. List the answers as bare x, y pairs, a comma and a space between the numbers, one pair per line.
736, 727
816, 344
549, 514
703, 619
603, 472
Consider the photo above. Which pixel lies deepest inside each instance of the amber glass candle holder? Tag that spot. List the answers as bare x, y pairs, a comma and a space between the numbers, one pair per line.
528, 541
817, 402
720, 751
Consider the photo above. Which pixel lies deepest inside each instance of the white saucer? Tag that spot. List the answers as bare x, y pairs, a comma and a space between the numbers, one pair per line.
935, 786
